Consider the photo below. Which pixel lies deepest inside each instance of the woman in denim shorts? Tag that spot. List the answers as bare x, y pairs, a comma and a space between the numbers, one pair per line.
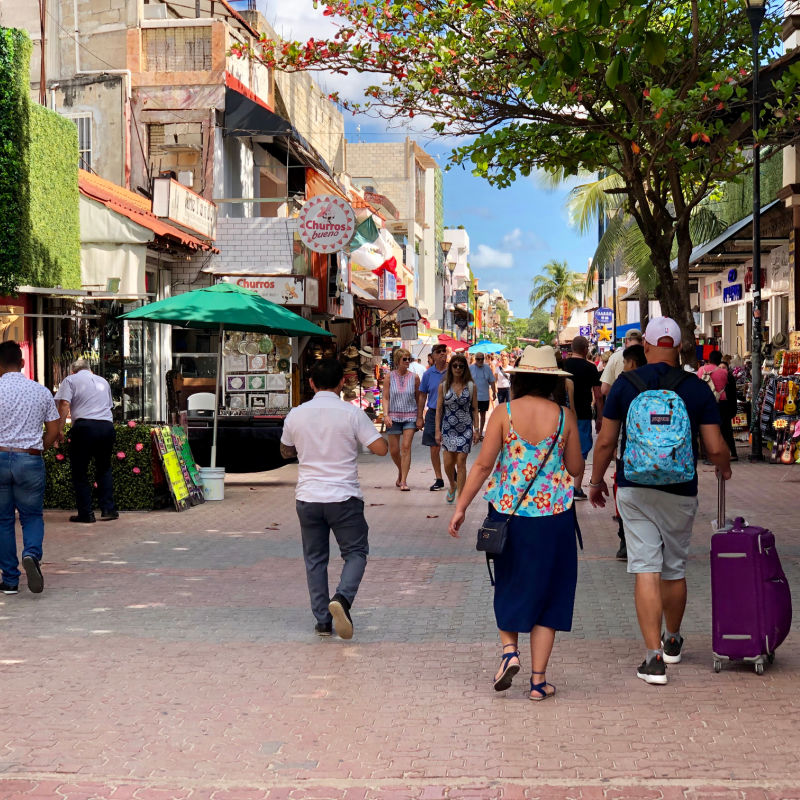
400, 393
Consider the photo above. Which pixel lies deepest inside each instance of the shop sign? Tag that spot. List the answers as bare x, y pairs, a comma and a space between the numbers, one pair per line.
712, 290
401, 291
461, 296
603, 316
326, 223
387, 286
732, 294
173, 201
285, 290
12, 324
585, 330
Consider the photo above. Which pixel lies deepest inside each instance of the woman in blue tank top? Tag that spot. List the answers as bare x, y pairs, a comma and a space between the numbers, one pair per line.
537, 572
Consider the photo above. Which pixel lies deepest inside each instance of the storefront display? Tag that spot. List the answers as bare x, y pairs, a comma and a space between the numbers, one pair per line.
780, 409
257, 374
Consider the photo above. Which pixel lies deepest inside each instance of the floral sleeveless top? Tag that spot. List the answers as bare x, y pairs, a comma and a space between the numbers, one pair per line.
551, 492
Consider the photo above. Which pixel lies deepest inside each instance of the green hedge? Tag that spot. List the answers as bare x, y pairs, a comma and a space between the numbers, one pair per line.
133, 491
39, 222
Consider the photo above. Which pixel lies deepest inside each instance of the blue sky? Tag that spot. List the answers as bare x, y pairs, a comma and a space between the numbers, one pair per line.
513, 232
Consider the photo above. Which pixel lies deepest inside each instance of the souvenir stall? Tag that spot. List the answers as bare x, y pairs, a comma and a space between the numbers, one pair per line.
779, 408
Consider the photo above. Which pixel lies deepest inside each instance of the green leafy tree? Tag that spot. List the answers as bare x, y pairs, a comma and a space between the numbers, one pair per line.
559, 286
655, 91
536, 326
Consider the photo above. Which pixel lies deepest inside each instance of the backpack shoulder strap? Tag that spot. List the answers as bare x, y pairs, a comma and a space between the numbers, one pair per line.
635, 379
673, 378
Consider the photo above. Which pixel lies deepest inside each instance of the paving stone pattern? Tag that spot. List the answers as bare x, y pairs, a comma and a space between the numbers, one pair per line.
171, 657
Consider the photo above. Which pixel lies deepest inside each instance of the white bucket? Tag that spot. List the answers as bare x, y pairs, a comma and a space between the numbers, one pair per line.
213, 480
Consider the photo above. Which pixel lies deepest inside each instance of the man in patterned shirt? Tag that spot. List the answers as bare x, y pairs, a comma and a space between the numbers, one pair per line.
25, 406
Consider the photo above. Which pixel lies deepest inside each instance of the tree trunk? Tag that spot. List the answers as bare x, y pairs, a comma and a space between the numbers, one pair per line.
672, 293
644, 308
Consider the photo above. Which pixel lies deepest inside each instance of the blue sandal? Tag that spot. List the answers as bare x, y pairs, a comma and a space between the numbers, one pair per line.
509, 670
540, 689
451, 496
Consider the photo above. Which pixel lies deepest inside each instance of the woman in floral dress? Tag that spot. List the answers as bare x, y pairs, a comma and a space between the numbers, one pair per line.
456, 422
537, 572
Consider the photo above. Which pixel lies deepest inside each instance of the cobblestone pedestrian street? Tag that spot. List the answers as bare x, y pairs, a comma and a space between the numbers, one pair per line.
172, 657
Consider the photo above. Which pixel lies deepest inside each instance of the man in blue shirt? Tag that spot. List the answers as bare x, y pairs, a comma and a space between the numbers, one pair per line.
428, 396
658, 518
483, 378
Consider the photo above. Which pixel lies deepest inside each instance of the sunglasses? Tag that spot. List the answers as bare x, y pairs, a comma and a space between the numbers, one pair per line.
405, 359
479, 361
458, 366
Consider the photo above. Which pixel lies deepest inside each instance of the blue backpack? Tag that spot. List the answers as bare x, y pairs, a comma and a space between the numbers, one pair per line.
658, 448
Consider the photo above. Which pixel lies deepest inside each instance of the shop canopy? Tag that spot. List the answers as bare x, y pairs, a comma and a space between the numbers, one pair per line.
222, 307
454, 344
485, 346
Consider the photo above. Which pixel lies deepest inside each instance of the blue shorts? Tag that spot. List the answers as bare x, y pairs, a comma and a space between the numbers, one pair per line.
585, 433
429, 431
400, 425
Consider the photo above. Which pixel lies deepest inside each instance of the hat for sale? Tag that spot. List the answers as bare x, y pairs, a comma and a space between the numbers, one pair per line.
366, 351
780, 341
660, 329
351, 351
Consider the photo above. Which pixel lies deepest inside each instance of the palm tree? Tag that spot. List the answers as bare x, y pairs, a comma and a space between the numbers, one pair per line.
558, 285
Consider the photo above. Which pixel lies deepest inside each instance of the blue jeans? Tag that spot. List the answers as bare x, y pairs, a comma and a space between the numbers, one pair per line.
22, 480
585, 435
346, 520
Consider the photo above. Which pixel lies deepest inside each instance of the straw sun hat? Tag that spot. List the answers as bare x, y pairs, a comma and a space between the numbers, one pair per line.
541, 360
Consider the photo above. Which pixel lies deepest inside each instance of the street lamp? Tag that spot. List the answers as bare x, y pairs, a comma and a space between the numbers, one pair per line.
755, 15
446, 249
451, 265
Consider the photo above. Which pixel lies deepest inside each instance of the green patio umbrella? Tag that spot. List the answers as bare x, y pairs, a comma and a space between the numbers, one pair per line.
226, 307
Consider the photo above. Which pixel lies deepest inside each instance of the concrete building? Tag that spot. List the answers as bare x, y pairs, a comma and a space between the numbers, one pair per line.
411, 180
459, 317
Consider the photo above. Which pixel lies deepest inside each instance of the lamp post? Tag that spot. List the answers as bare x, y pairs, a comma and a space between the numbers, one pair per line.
450, 266
755, 15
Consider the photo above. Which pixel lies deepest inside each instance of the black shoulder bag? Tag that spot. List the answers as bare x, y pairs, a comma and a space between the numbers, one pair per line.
493, 533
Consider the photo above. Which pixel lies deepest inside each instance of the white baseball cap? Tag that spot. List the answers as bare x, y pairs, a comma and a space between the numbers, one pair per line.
662, 328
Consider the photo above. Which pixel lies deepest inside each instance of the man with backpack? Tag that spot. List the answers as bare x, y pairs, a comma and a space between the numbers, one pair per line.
661, 410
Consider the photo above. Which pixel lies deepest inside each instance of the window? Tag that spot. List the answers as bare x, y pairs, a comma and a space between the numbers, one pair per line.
84, 125
180, 49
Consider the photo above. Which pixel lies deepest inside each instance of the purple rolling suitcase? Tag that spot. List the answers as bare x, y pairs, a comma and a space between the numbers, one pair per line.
751, 604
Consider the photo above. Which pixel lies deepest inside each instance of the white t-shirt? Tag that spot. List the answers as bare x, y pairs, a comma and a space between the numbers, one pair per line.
327, 432
417, 368
88, 395
613, 368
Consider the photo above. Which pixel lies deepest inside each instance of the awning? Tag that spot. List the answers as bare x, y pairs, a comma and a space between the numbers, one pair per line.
454, 344
622, 330
389, 306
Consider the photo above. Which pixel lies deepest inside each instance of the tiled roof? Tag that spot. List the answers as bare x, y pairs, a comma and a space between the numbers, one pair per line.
136, 208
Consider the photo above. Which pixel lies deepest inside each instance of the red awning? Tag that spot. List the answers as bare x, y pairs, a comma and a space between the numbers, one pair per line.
454, 344
136, 208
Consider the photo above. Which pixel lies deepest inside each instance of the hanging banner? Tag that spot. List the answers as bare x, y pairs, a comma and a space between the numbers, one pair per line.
326, 223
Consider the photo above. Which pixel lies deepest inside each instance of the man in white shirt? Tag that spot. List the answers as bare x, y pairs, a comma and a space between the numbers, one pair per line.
325, 434
417, 368
25, 406
86, 399
615, 363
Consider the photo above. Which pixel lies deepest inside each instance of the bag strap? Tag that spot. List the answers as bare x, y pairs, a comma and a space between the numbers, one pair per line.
635, 379
673, 378
556, 435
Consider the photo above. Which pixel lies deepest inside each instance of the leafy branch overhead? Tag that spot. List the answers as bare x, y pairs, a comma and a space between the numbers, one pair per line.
654, 91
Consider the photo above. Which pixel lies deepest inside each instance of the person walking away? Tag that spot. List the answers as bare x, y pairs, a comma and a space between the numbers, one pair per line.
416, 367
86, 399
536, 574
503, 380
632, 358
25, 406
483, 378
586, 380
661, 409
426, 410
615, 363
400, 392
716, 375
456, 422
324, 434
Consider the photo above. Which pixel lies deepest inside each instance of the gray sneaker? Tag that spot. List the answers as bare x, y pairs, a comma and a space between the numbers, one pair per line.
672, 648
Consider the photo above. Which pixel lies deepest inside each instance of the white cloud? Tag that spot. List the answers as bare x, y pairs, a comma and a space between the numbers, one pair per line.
518, 239
486, 257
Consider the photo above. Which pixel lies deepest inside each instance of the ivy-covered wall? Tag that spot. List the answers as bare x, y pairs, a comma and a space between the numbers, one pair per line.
40, 241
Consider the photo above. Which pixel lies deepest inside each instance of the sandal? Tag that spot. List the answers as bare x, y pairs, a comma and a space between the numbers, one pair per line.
451, 496
541, 689
404, 487
509, 670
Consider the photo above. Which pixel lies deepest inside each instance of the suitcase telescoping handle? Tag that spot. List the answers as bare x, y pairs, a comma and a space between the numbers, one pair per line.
720, 502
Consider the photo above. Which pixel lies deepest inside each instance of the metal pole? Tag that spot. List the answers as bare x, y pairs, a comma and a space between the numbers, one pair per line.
216, 401
755, 15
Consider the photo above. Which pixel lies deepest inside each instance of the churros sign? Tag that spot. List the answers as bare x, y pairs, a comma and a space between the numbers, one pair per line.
327, 223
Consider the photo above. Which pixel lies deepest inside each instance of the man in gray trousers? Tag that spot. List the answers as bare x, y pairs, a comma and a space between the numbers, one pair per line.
325, 435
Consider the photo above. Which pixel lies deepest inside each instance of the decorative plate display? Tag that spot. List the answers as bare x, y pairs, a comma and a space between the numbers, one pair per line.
284, 351
278, 400
237, 401
256, 363
235, 362
276, 382
258, 402
242, 347
265, 345
283, 365
251, 348
235, 383
256, 383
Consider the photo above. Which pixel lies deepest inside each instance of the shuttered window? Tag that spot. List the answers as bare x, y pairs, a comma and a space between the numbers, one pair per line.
179, 49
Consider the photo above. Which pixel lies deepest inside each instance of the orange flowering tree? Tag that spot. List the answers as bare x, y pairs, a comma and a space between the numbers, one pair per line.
655, 91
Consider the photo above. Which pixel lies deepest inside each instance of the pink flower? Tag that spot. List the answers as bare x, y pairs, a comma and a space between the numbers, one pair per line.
59, 456
131, 423
120, 455
139, 447
136, 470
95, 484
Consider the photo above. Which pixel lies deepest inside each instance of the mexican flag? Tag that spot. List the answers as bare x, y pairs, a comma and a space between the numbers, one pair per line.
371, 248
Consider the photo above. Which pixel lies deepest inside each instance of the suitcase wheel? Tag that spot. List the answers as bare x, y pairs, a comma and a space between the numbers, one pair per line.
771, 658
759, 669
717, 665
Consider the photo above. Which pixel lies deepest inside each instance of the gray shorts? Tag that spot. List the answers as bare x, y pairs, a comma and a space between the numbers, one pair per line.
658, 529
